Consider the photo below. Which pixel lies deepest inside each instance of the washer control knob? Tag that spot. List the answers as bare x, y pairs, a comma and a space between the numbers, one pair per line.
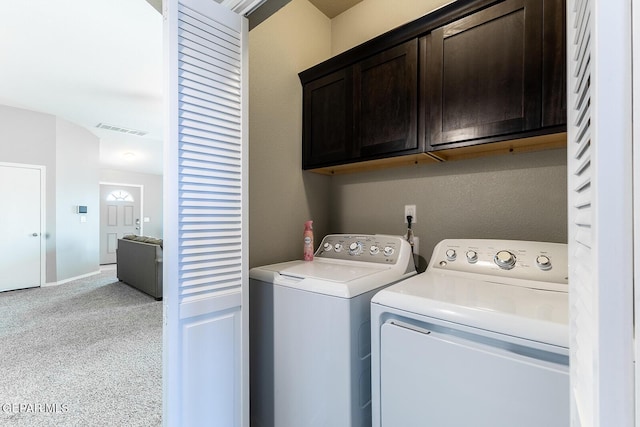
472, 256
505, 260
338, 247
388, 251
543, 262
451, 254
355, 248
327, 247
374, 250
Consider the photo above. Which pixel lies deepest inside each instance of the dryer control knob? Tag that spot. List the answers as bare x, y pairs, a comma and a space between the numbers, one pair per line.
355, 248
543, 262
472, 256
374, 250
338, 247
505, 260
451, 254
388, 251
327, 247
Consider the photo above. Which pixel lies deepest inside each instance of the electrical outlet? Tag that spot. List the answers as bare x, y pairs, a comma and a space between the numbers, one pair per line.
410, 210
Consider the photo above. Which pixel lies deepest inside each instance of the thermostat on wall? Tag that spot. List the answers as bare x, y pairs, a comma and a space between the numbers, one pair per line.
82, 209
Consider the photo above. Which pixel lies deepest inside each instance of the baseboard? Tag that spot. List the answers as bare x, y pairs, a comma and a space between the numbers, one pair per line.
71, 279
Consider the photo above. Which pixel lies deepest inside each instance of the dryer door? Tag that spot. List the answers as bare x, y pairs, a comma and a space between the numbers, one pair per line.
441, 377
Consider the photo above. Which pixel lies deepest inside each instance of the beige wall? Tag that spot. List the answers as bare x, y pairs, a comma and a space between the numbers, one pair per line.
517, 196
281, 196
370, 18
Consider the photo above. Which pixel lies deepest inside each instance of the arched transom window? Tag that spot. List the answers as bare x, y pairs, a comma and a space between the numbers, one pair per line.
119, 196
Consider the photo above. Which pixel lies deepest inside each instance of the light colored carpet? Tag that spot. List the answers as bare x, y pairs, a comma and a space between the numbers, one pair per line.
85, 353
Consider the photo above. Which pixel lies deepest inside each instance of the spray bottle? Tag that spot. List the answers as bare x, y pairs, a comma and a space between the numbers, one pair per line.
308, 241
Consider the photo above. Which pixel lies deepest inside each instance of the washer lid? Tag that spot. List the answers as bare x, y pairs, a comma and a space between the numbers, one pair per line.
331, 271
343, 279
533, 314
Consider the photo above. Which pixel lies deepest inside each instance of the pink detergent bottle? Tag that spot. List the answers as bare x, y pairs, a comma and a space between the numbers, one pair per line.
308, 241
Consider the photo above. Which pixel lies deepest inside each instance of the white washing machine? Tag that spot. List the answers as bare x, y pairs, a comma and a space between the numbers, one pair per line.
310, 331
481, 338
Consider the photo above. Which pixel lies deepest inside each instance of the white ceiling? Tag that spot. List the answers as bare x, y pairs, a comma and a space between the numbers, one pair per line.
89, 62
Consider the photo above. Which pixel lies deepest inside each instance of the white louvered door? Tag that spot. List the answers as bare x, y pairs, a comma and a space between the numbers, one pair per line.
205, 227
600, 212
636, 196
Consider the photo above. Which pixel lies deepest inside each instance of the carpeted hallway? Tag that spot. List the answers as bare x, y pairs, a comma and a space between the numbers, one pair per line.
85, 353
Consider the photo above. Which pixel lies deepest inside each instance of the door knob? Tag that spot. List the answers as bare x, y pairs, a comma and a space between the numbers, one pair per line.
35, 234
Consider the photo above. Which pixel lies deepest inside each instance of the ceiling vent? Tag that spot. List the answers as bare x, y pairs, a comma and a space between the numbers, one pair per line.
121, 129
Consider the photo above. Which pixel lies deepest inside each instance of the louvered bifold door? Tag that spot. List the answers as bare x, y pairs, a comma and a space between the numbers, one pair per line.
599, 213
205, 227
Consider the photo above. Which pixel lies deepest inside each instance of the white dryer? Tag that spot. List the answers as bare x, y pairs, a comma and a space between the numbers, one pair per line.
310, 331
479, 339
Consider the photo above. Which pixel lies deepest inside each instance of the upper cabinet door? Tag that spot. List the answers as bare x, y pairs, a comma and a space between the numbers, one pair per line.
484, 74
386, 102
328, 120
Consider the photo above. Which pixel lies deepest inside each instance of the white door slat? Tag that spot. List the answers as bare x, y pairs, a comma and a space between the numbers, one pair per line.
225, 147
207, 242
206, 161
223, 82
212, 136
214, 250
229, 185
583, 218
205, 100
224, 153
231, 99
210, 112
196, 121
207, 288
213, 256
214, 81
217, 273
196, 196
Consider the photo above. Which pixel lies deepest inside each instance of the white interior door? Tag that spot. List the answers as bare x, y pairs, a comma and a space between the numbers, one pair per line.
206, 362
21, 226
600, 212
120, 214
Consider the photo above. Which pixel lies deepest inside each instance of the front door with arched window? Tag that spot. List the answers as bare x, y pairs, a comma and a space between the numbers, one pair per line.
120, 214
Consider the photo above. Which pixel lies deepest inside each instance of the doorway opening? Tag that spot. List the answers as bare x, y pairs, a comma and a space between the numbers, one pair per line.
121, 210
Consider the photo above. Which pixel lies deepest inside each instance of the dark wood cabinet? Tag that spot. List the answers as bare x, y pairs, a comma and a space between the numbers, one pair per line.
363, 111
554, 64
495, 74
471, 73
485, 74
328, 120
386, 102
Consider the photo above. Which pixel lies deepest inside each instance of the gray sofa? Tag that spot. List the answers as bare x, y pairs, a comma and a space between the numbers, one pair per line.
139, 263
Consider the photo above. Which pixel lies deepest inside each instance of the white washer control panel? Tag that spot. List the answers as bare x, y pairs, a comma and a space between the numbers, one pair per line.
517, 259
376, 248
